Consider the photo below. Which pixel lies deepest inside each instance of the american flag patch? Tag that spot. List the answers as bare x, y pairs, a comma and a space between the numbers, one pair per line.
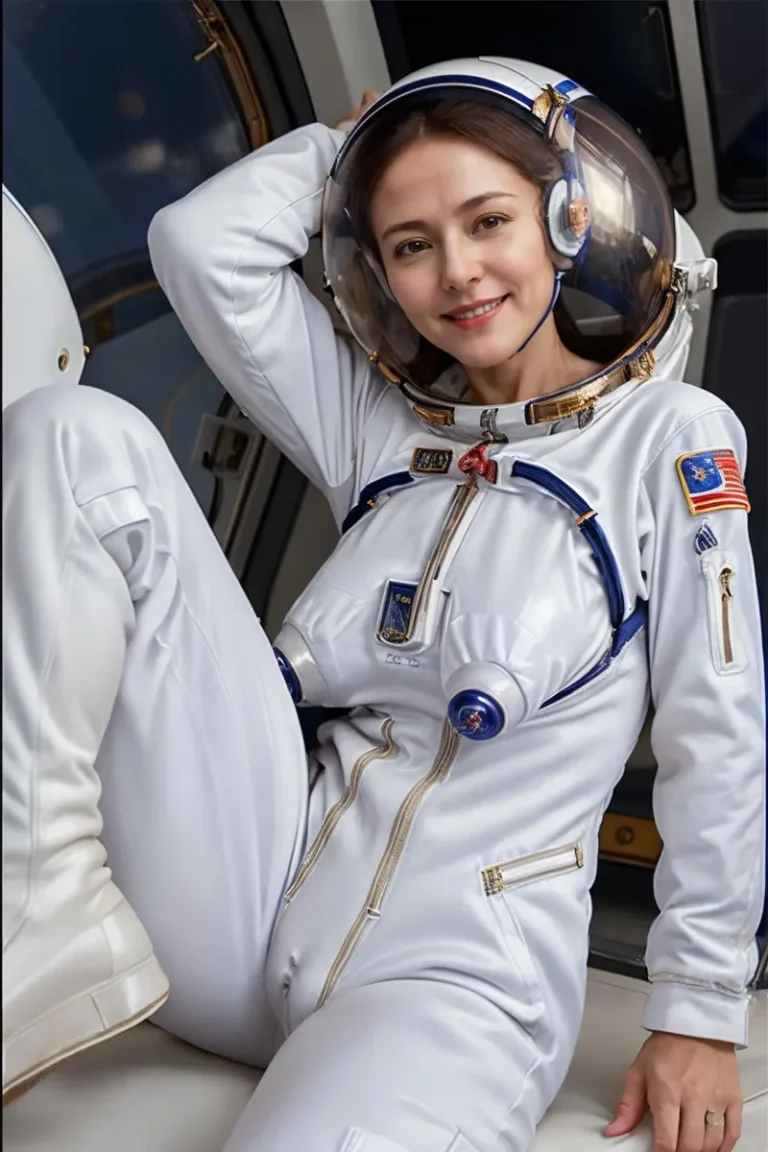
712, 481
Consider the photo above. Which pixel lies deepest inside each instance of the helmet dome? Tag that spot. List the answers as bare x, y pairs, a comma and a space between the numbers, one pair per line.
607, 215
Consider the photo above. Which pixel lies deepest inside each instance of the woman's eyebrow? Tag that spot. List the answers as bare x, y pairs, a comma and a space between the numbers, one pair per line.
473, 202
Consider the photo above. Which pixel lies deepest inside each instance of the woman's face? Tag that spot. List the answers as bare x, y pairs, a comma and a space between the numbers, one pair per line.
463, 247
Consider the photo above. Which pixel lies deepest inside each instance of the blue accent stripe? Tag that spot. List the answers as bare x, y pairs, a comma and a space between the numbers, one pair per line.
370, 494
621, 637
450, 81
566, 86
623, 630
629, 628
590, 529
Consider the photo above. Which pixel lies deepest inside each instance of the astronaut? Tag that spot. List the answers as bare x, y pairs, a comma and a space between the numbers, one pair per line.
540, 527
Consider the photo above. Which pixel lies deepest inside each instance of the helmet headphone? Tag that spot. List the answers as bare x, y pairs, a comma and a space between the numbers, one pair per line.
566, 216
566, 207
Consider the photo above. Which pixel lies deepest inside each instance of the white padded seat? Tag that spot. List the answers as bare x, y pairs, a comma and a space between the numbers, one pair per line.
144, 1091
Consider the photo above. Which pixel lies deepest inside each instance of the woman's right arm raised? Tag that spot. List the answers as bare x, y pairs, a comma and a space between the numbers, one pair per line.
222, 256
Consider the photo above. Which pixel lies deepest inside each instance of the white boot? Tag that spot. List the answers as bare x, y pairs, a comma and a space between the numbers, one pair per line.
77, 964
105, 979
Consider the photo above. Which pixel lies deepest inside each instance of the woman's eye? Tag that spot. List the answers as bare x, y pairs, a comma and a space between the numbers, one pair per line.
490, 223
411, 248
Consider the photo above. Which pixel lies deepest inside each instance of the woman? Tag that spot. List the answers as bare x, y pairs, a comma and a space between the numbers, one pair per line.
401, 933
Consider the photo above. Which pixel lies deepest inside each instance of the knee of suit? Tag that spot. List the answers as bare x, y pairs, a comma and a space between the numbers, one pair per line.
80, 436
71, 406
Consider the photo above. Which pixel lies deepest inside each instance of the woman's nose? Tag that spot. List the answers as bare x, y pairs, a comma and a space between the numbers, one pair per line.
460, 267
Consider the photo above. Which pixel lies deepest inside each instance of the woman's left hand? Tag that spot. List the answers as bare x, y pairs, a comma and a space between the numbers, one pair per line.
689, 1085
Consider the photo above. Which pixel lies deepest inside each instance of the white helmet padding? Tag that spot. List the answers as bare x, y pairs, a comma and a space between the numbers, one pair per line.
42, 338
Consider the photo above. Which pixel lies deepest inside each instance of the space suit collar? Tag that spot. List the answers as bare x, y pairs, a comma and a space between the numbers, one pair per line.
663, 354
453, 417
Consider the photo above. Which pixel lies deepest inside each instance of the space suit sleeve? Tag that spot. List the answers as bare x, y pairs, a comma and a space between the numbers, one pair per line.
222, 254
708, 734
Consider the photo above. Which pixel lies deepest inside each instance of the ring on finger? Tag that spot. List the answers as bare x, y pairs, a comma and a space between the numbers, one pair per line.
714, 1119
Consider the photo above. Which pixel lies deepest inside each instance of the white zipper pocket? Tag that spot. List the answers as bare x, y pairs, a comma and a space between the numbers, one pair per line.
525, 869
719, 571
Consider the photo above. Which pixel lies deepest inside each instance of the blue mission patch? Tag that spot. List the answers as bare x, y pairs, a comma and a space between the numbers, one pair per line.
396, 613
431, 460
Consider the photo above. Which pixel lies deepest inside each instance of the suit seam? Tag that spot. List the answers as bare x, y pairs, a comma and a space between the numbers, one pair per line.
676, 432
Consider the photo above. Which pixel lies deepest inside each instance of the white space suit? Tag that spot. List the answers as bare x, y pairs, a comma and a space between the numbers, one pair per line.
408, 935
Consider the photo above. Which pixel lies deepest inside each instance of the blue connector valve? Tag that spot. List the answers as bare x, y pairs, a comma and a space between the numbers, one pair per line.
476, 715
292, 682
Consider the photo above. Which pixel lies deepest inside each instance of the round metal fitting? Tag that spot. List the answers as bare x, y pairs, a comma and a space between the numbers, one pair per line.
292, 681
476, 715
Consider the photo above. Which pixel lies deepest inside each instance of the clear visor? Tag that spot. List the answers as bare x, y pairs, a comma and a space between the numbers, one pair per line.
612, 289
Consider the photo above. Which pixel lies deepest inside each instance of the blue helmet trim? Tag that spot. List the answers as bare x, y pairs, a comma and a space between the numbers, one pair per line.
449, 81
567, 86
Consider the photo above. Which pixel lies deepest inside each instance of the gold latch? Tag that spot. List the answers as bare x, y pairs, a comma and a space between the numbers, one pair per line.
493, 880
641, 368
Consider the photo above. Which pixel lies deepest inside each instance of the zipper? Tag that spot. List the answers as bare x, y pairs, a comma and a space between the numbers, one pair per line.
726, 595
719, 573
459, 506
384, 751
523, 870
398, 838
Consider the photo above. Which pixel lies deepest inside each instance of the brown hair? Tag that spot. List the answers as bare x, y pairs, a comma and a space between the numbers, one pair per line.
475, 120
480, 121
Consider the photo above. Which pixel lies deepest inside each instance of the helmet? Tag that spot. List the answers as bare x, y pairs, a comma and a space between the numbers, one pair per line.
608, 218
699, 275
42, 338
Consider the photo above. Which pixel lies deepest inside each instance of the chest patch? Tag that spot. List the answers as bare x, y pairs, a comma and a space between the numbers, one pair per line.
431, 460
704, 540
395, 619
712, 481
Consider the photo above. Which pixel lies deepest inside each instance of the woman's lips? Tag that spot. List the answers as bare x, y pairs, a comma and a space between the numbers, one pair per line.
475, 317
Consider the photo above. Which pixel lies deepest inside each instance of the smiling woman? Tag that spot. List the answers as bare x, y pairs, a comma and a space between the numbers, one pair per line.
411, 901
478, 285
457, 236
457, 158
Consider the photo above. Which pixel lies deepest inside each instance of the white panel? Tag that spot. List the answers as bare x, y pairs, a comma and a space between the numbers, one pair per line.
339, 49
709, 217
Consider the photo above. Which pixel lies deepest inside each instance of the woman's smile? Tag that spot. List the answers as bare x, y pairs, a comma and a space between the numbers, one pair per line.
476, 315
